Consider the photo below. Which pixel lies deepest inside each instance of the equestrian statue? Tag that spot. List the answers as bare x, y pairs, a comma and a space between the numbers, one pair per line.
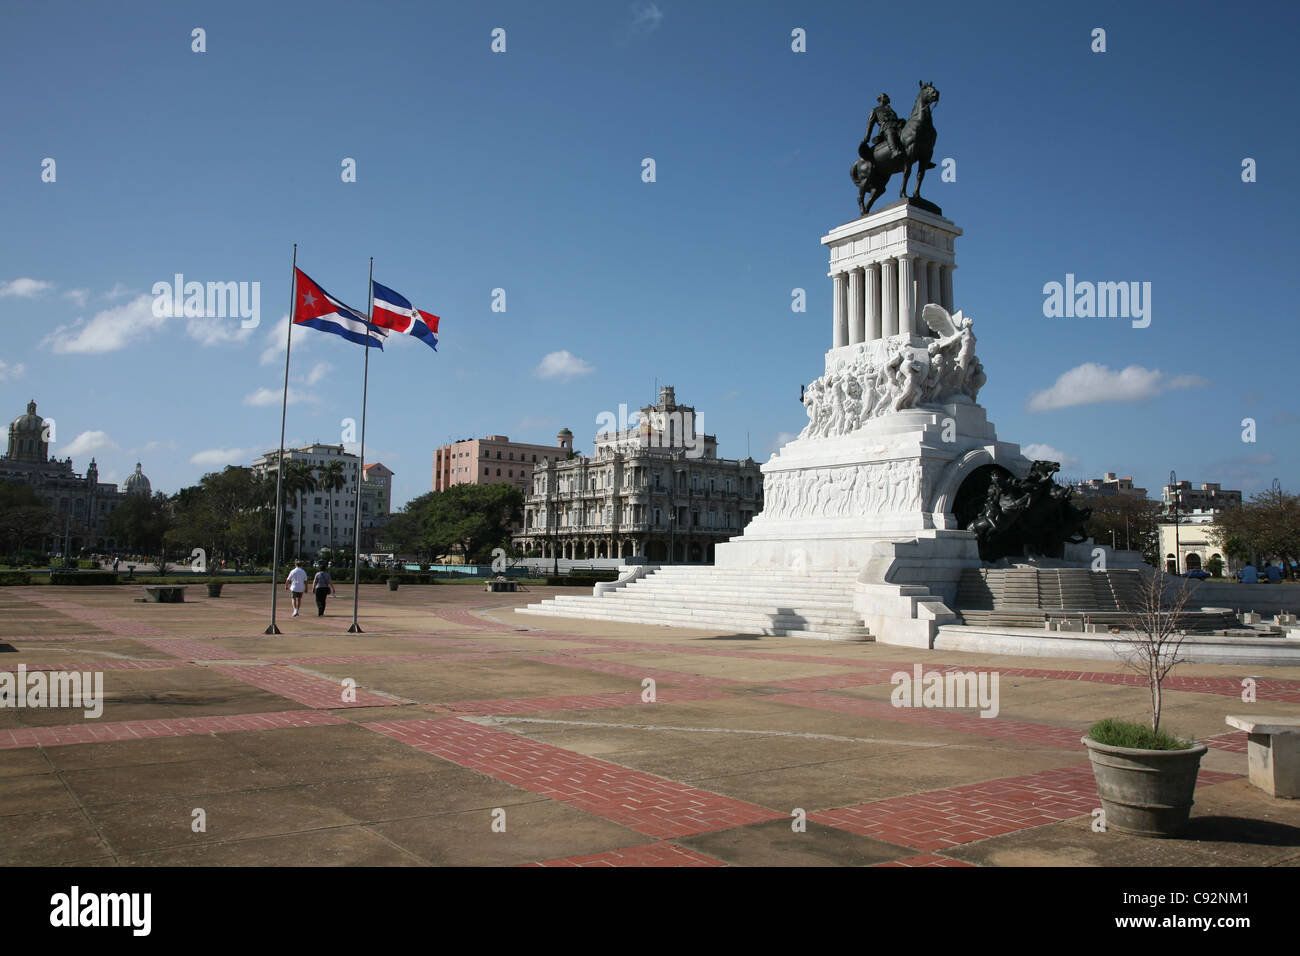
897, 147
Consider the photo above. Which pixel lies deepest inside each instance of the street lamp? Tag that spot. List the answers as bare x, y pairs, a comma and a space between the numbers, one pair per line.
1178, 554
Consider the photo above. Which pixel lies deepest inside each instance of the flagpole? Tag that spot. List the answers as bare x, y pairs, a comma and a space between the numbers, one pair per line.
279, 469
361, 459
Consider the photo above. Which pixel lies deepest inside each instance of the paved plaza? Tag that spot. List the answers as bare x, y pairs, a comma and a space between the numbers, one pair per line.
456, 732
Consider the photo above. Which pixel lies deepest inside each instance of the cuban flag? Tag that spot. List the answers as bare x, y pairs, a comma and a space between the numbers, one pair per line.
393, 311
317, 309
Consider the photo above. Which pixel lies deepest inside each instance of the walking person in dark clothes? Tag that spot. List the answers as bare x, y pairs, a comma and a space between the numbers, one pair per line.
323, 587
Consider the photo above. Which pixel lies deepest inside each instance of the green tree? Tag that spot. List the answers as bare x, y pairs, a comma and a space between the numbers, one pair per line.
332, 479
142, 522
24, 517
467, 519
1266, 527
1125, 522
299, 480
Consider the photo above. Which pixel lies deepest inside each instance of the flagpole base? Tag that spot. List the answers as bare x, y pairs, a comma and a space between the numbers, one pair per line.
271, 629
355, 628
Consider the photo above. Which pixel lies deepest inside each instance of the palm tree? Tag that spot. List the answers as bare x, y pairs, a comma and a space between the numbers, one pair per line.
298, 481
331, 480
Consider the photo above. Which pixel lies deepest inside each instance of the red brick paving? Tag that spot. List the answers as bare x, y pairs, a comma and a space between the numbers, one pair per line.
926, 859
651, 854
642, 802
944, 818
94, 732
879, 675
315, 692
635, 671
945, 719
1233, 741
103, 636
532, 705
1270, 688
187, 648
97, 665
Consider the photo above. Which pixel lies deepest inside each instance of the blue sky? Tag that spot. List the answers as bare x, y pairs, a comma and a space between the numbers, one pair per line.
522, 171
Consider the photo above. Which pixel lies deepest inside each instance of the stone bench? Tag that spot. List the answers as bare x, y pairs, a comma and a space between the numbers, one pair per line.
1273, 752
502, 586
165, 593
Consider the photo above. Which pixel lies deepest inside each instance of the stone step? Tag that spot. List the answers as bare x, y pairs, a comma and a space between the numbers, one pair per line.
784, 595
738, 612
718, 623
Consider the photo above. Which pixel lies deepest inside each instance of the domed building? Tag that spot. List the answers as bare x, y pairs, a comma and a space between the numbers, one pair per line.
137, 483
82, 503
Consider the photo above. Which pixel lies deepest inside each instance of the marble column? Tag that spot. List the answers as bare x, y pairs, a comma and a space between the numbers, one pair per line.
932, 284
907, 295
856, 306
872, 297
889, 297
945, 287
922, 269
840, 318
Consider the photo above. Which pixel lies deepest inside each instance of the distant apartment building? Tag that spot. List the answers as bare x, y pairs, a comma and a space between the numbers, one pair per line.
376, 500
1208, 497
310, 513
1108, 486
1187, 544
495, 460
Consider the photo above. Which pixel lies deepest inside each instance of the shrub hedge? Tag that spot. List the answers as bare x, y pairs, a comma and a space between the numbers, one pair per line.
14, 577
84, 578
582, 580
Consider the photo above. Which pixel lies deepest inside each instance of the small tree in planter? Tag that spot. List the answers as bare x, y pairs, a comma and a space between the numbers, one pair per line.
1146, 777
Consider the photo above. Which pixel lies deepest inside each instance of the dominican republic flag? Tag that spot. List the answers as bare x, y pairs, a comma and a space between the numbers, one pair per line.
317, 309
393, 311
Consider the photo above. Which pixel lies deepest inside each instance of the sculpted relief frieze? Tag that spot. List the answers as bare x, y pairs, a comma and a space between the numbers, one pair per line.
874, 384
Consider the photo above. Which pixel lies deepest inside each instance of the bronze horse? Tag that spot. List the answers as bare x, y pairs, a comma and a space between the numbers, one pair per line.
878, 163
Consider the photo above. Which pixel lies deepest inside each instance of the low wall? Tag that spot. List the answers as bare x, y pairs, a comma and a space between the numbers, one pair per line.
1264, 598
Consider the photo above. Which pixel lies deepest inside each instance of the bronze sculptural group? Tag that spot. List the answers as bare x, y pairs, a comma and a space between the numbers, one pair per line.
897, 148
1029, 516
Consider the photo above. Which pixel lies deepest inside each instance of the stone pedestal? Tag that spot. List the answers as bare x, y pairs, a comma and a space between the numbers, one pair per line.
1273, 753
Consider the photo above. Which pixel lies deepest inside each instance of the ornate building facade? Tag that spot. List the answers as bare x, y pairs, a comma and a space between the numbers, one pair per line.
82, 503
656, 489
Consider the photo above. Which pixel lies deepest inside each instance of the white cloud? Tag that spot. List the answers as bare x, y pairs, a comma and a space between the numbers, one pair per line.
782, 439
77, 295
563, 365
273, 351
216, 331
24, 288
646, 17
109, 330
117, 291
1090, 384
274, 396
87, 443
318, 372
1041, 452
8, 371
168, 445
217, 457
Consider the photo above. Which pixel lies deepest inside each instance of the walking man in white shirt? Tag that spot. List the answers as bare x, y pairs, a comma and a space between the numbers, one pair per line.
296, 584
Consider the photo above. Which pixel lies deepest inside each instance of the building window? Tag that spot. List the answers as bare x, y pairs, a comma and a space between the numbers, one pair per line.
498, 470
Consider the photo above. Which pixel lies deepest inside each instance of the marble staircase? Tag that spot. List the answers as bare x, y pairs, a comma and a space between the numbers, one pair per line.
817, 603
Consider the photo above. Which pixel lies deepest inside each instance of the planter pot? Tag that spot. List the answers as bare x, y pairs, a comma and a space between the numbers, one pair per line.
214, 590
1147, 792
392, 585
